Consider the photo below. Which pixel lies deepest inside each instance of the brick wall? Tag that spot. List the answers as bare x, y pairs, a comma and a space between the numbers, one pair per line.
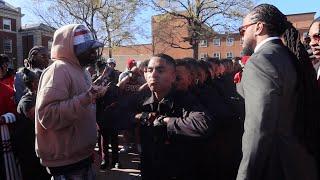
121, 54
11, 36
174, 29
27, 44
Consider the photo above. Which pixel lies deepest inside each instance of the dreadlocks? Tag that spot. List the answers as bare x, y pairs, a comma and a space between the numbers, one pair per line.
307, 124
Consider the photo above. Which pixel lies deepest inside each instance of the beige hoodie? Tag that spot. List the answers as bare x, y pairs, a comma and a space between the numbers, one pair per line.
65, 129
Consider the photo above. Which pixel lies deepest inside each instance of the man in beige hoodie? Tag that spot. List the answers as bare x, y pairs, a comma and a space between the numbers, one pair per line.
65, 106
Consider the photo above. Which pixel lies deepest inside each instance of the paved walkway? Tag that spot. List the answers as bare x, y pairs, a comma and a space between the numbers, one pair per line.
129, 170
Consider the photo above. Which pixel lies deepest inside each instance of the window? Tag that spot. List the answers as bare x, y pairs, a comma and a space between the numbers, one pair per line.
216, 55
203, 43
7, 46
49, 44
7, 24
216, 41
229, 55
230, 41
203, 55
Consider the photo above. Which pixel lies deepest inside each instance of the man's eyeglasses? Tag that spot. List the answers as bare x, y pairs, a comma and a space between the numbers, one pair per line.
242, 29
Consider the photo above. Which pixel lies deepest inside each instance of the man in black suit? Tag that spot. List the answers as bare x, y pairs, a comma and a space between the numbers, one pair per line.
314, 33
270, 147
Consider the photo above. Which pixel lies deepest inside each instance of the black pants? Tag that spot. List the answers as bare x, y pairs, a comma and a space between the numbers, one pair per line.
108, 136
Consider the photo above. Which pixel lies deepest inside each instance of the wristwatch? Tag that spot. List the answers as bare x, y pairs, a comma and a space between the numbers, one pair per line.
144, 116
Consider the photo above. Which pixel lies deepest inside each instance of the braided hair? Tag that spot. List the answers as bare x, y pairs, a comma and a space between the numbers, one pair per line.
32, 53
275, 21
307, 123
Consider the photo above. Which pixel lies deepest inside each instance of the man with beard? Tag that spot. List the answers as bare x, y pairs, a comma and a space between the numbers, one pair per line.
65, 116
37, 61
314, 33
173, 126
271, 145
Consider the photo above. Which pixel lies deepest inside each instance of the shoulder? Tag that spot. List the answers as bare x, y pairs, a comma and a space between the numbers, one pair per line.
5, 89
57, 75
186, 98
268, 59
58, 68
27, 101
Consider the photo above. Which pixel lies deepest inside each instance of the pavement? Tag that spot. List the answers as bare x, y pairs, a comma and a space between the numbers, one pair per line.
129, 168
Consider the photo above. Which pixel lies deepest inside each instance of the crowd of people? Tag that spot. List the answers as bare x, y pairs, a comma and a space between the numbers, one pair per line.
249, 118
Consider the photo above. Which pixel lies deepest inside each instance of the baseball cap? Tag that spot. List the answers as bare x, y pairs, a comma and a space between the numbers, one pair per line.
111, 60
84, 41
131, 63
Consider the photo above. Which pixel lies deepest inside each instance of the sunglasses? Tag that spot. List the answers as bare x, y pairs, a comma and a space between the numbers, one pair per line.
315, 37
242, 29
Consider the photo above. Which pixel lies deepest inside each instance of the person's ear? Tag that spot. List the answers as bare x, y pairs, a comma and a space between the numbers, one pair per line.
259, 28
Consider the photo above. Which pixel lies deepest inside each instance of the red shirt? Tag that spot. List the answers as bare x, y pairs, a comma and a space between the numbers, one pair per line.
6, 100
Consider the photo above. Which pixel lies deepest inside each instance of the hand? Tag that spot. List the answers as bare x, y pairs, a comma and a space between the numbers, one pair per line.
97, 91
166, 120
161, 121
146, 117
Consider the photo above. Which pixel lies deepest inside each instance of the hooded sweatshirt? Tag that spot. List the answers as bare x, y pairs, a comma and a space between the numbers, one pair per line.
65, 128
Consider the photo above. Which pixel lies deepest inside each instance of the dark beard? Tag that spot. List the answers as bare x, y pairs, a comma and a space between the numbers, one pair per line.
86, 61
249, 50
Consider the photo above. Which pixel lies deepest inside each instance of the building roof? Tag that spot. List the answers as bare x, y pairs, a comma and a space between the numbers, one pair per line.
7, 6
297, 14
38, 26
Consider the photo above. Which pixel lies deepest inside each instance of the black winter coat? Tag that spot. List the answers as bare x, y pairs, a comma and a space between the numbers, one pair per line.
174, 150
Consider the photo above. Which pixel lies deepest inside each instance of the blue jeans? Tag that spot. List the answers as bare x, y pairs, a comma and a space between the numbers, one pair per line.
86, 173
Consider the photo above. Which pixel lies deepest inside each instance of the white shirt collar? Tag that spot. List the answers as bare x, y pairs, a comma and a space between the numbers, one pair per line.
318, 74
263, 42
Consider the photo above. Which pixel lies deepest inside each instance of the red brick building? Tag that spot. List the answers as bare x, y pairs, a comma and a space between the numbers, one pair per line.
16, 40
10, 22
168, 30
35, 34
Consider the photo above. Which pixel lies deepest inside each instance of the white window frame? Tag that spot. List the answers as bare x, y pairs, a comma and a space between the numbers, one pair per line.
8, 23
229, 57
49, 44
203, 43
5, 50
203, 55
216, 53
230, 43
215, 40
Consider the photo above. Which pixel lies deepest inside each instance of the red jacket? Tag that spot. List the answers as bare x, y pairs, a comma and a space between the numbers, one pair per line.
6, 100
9, 81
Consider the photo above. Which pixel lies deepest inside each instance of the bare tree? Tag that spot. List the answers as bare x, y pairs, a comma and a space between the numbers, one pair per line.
111, 21
201, 18
118, 17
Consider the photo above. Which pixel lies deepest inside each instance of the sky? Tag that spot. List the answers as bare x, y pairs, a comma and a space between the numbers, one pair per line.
286, 6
